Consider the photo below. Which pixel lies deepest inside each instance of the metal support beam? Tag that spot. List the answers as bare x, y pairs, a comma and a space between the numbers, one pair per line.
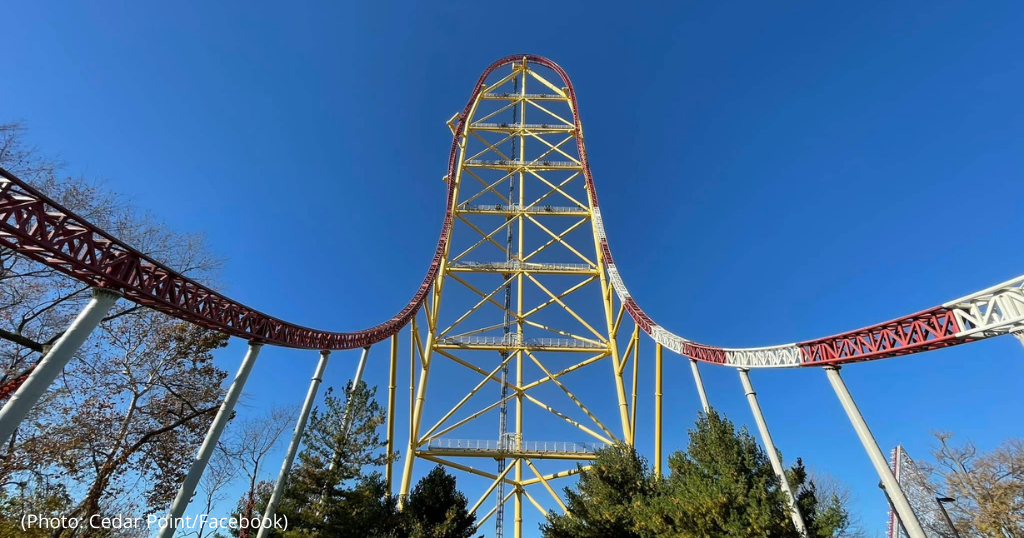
657, 409
892, 487
188, 487
700, 386
392, 385
773, 455
42, 376
356, 379
293, 446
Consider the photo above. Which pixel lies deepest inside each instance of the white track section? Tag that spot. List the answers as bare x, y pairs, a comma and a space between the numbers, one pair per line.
992, 312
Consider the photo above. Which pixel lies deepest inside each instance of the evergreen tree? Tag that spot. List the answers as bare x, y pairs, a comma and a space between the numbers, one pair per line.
722, 486
436, 509
351, 499
608, 495
346, 498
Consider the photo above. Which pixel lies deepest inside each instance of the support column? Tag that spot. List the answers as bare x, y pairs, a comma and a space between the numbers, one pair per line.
188, 487
42, 376
293, 446
773, 455
414, 423
356, 379
392, 385
892, 487
657, 409
700, 386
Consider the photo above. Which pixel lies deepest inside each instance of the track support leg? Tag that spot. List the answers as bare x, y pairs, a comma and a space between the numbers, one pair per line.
657, 409
22, 401
773, 455
188, 487
293, 446
700, 386
891, 486
392, 385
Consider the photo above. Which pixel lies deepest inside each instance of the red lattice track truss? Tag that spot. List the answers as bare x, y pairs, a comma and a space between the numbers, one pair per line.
39, 228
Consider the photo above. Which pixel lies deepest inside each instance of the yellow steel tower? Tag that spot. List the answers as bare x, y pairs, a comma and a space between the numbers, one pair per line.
522, 222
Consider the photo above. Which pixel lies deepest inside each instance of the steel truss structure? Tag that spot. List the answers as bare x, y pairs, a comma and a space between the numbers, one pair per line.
923, 497
547, 244
552, 258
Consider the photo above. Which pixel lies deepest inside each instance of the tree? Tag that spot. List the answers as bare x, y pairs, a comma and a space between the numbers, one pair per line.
219, 474
988, 487
437, 509
40, 499
320, 498
249, 445
723, 485
350, 498
132, 412
120, 426
606, 498
823, 509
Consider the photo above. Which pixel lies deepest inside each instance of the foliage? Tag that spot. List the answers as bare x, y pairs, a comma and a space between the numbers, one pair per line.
607, 499
349, 498
436, 509
723, 485
119, 428
988, 488
40, 499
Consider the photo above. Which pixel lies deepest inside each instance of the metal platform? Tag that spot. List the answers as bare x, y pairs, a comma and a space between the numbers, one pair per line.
510, 448
512, 341
499, 209
515, 265
502, 164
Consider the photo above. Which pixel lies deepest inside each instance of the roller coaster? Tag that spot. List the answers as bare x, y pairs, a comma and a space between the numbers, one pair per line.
497, 155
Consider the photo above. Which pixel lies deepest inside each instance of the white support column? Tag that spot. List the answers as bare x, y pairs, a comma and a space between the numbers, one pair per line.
344, 415
700, 385
293, 446
773, 455
356, 379
42, 376
188, 487
892, 487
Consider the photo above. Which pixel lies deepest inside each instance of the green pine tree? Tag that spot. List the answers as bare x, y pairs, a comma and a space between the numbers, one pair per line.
722, 486
436, 509
607, 498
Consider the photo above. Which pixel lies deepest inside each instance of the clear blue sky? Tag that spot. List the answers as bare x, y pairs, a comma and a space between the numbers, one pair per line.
768, 173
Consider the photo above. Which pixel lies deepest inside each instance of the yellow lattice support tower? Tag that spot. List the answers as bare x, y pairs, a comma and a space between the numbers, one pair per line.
523, 220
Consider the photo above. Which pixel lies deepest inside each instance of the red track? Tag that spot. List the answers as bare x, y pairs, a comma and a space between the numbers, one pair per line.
39, 228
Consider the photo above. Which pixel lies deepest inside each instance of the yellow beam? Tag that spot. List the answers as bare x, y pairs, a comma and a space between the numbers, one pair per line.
534, 502
392, 384
636, 375
657, 410
569, 420
571, 396
566, 308
559, 474
493, 485
566, 370
466, 398
547, 486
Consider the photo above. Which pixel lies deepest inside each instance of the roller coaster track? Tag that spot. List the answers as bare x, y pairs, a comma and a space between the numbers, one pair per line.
41, 229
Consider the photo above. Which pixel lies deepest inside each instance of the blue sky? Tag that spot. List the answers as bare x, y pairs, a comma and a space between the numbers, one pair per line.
768, 173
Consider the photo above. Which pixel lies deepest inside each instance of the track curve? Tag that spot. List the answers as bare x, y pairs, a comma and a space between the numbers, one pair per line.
41, 229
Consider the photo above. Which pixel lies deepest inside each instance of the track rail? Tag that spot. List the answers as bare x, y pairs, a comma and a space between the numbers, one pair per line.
41, 229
